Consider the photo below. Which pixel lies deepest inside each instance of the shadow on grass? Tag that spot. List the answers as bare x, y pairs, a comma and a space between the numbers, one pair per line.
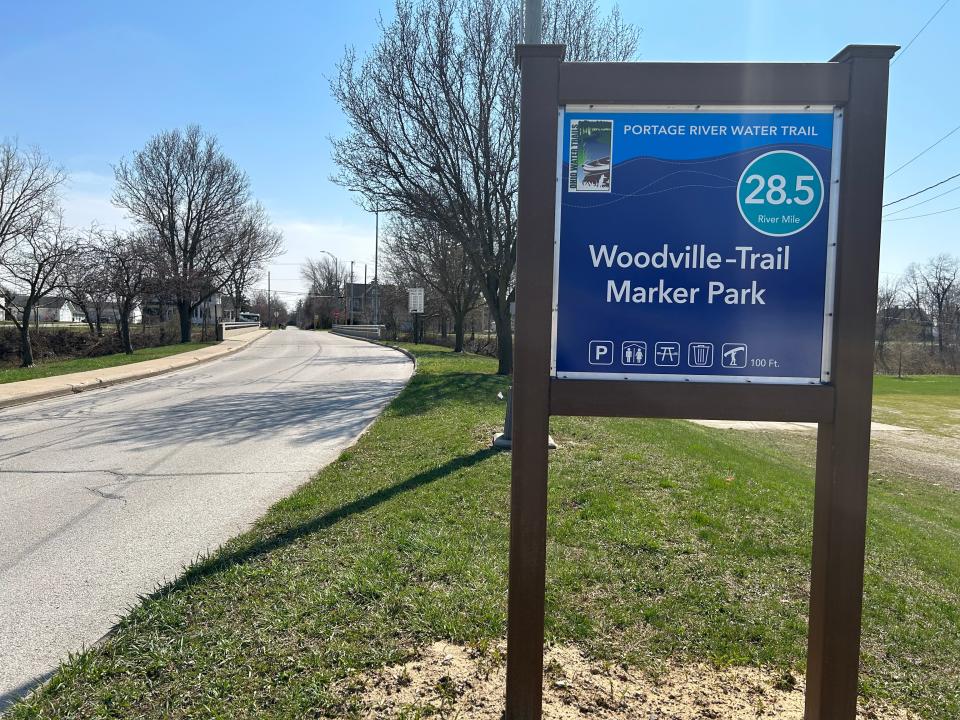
225, 560
427, 390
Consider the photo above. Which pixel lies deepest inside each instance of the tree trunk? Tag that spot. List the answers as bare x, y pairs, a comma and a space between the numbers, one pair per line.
458, 331
504, 340
183, 308
90, 323
499, 310
26, 349
125, 333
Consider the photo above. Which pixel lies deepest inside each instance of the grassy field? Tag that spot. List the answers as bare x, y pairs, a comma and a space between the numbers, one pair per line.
928, 402
62, 367
403, 540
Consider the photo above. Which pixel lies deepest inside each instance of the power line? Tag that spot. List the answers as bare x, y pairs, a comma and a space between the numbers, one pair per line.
922, 152
920, 192
907, 46
914, 217
929, 321
922, 202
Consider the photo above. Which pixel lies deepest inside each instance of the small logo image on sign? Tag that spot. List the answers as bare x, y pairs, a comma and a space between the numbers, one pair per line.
601, 352
633, 353
591, 152
700, 354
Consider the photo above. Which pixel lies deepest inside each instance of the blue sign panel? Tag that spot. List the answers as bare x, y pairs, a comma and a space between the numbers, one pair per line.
696, 245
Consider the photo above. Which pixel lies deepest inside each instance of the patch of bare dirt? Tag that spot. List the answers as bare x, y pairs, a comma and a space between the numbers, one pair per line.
897, 449
451, 681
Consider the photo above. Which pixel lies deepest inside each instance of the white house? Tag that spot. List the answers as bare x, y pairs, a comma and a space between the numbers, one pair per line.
109, 314
211, 308
50, 309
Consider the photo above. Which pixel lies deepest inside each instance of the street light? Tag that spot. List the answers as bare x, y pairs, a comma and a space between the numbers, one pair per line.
376, 257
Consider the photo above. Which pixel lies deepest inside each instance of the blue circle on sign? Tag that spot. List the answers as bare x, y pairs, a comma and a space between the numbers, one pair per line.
780, 193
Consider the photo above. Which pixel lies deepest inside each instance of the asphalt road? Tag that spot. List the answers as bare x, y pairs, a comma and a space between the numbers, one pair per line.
106, 494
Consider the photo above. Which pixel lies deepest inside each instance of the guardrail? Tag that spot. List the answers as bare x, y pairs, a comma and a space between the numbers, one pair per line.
230, 329
374, 332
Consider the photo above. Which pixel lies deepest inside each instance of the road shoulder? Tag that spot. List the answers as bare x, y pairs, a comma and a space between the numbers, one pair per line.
26, 391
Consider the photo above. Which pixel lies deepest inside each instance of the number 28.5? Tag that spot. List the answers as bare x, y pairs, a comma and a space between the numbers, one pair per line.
776, 190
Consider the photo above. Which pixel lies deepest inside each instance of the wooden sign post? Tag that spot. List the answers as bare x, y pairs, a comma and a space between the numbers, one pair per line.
853, 89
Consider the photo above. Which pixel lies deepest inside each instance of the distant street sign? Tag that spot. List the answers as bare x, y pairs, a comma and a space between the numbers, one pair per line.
415, 300
707, 236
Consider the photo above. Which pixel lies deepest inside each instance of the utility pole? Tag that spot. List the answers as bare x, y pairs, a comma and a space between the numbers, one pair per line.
532, 14
363, 297
350, 311
376, 253
269, 316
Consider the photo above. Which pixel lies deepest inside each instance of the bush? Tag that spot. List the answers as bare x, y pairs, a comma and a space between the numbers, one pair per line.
66, 342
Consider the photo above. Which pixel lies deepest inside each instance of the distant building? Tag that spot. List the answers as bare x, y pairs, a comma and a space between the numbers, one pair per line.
50, 309
210, 309
361, 295
110, 314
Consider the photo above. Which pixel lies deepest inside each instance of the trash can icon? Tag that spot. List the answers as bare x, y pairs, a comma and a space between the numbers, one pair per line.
700, 354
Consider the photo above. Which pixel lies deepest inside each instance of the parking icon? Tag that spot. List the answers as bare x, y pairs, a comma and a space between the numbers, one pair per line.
601, 352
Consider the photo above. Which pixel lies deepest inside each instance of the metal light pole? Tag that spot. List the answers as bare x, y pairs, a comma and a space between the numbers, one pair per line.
376, 257
532, 14
350, 311
269, 321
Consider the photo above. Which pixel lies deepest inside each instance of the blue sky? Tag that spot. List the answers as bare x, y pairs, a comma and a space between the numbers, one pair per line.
90, 82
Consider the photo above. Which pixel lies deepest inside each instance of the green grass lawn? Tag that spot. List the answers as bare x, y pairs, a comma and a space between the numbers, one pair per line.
928, 402
666, 540
62, 367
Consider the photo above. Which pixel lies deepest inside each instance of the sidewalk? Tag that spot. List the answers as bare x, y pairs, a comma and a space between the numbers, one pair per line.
25, 391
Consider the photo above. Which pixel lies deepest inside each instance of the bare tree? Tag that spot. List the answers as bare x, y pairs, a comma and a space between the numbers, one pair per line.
28, 185
915, 296
434, 121
940, 275
888, 314
930, 289
255, 242
435, 260
85, 278
266, 305
36, 264
128, 267
324, 278
193, 197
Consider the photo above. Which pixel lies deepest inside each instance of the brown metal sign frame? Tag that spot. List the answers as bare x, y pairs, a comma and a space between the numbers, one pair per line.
855, 81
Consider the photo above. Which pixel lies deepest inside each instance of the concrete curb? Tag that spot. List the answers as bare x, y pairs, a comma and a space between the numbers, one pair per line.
381, 343
69, 388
